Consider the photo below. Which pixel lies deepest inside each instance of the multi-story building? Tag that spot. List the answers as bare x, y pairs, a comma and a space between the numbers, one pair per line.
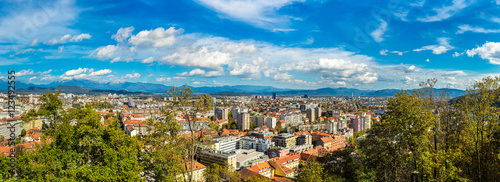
198, 174
208, 157
301, 148
237, 111
262, 134
332, 126
360, 123
277, 151
311, 114
286, 166
226, 144
268, 121
285, 140
264, 169
222, 114
243, 121
304, 139
292, 119
247, 158
259, 144
318, 112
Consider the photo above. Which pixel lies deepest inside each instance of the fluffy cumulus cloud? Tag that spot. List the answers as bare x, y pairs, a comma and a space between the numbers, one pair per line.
443, 46
201, 58
211, 56
132, 76
68, 38
446, 11
100, 72
78, 74
105, 52
158, 37
489, 51
123, 34
259, 13
148, 60
339, 69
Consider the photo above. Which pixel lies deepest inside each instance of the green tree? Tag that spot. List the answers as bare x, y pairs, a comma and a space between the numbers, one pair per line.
341, 165
161, 152
87, 151
399, 144
182, 97
478, 158
215, 172
312, 172
4, 167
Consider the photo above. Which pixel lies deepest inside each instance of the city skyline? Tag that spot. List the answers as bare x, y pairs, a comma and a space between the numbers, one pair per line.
285, 44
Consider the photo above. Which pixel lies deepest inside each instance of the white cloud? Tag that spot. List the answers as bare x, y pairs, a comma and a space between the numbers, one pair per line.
148, 60
339, 69
34, 42
78, 38
68, 38
489, 51
75, 72
202, 58
379, 32
164, 79
158, 37
259, 13
100, 72
116, 59
446, 12
29, 50
132, 76
105, 52
468, 28
383, 52
442, 47
25, 21
122, 34
282, 76
427, 60
196, 72
60, 49
30, 72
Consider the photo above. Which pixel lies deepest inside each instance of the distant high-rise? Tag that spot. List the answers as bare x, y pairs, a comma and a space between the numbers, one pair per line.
274, 95
306, 96
243, 121
222, 113
311, 114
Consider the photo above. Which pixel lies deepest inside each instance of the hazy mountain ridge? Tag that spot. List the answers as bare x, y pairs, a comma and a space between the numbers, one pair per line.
86, 86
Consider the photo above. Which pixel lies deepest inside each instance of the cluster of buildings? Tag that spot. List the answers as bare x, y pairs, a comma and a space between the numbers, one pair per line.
274, 135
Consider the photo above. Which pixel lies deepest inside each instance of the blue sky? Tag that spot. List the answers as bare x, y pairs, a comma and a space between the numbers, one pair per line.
302, 44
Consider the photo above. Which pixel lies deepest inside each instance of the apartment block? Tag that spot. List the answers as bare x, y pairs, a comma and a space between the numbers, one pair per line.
285, 140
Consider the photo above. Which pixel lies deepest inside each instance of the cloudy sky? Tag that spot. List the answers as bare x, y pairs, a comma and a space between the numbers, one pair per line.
283, 43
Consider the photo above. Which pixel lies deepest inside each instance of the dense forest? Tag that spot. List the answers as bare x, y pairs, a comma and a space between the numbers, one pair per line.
422, 137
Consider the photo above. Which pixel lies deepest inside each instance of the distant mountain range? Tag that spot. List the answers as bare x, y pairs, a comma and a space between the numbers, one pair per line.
87, 86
